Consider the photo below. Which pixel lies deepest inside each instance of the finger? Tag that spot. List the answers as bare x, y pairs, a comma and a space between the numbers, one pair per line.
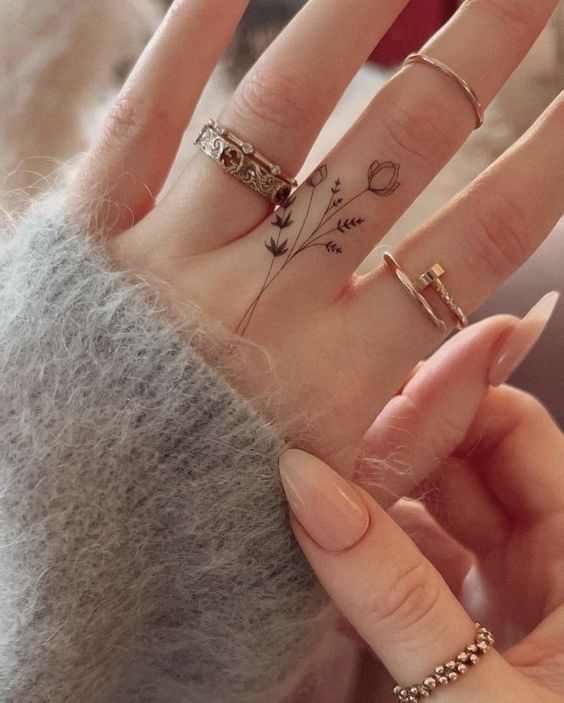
539, 655
480, 238
380, 581
461, 503
412, 128
422, 426
447, 555
130, 160
279, 107
512, 438
451, 560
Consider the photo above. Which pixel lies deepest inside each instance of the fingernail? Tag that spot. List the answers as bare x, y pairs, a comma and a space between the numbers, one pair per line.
325, 504
522, 339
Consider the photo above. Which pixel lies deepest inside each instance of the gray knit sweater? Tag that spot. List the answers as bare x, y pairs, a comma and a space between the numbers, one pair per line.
145, 554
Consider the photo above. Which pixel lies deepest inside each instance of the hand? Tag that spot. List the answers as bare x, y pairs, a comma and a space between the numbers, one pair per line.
495, 492
285, 282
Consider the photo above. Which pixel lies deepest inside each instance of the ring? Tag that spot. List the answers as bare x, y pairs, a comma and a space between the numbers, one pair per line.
432, 278
449, 672
393, 266
440, 66
243, 161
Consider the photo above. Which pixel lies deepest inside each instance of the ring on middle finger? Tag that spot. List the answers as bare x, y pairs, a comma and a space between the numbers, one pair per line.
242, 160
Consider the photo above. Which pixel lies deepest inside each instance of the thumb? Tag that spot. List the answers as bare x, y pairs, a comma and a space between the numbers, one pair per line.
395, 599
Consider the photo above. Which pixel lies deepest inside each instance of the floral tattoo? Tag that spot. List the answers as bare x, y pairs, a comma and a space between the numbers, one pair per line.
329, 231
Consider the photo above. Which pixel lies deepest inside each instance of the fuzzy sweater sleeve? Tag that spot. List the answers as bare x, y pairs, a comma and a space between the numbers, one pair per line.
145, 554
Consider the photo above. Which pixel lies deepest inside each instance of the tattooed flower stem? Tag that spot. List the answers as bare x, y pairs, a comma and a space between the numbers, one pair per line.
266, 283
344, 205
293, 252
249, 311
301, 228
310, 242
382, 180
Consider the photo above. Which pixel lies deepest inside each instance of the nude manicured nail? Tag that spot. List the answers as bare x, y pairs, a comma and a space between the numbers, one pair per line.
522, 339
325, 504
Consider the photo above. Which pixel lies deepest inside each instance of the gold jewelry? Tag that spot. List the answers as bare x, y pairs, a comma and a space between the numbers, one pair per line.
432, 278
393, 266
449, 672
440, 66
243, 161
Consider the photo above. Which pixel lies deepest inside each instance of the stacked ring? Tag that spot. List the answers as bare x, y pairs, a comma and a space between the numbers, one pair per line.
242, 160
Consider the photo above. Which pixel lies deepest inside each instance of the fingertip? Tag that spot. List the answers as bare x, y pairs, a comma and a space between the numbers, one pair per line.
325, 504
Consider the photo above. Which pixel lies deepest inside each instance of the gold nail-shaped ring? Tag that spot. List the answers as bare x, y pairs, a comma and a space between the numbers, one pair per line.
432, 278
393, 266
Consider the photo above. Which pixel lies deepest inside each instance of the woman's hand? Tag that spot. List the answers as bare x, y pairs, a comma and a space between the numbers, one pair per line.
338, 345
496, 492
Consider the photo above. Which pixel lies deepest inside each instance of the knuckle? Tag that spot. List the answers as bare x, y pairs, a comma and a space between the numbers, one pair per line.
500, 242
275, 98
410, 599
418, 131
130, 116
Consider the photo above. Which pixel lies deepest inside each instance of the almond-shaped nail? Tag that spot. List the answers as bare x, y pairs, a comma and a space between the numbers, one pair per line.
325, 504
523, 338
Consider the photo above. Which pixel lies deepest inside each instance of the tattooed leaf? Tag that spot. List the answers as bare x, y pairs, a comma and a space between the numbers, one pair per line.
337, 187
349, 223
276, 249
283, 222
288, 222
333, 248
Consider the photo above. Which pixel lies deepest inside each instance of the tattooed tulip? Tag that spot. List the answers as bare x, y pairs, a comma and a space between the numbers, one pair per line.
318, 176
383, 178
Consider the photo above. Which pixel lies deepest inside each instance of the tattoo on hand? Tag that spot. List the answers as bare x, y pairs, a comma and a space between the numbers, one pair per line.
382, 181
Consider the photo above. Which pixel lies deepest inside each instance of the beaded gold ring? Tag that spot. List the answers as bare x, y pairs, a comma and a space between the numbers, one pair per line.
449, 672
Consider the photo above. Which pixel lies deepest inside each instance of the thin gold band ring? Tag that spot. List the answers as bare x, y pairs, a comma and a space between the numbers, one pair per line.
464, 85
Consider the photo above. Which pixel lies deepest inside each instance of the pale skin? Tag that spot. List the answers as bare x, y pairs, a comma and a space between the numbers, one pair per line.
338, 346
495, 517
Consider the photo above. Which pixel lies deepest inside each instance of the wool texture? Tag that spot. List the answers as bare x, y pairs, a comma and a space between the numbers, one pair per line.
145, 550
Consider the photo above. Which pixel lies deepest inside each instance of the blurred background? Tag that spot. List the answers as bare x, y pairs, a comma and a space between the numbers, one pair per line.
63, 61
